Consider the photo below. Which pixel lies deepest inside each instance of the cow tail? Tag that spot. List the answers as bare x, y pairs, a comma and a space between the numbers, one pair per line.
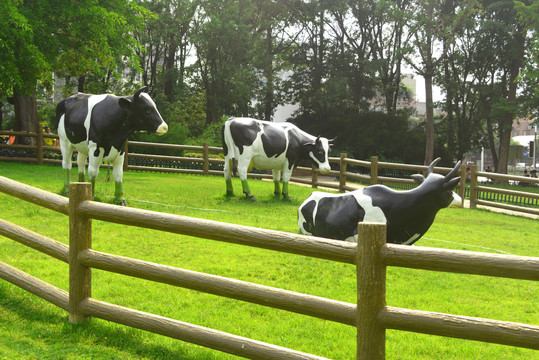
225, 147
60, 110
232, 159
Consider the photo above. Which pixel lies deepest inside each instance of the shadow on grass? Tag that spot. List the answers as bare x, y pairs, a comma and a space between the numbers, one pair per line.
40, 330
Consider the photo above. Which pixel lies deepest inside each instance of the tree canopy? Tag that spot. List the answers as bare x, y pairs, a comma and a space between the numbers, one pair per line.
337, 60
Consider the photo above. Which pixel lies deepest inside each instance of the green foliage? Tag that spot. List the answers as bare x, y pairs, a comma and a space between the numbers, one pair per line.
79, 38
390, 136
21, 59
185, 117
47, 116
176, 135
211, 135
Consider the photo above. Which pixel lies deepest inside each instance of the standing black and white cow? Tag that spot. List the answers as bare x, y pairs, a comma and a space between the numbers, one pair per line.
269, 146
98, 126
408, 214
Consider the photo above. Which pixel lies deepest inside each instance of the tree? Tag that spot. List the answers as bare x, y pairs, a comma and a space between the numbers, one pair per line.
223, 39
272, 21
432, 27
505, 41
390, 43
77, 38
166, 39
528, 14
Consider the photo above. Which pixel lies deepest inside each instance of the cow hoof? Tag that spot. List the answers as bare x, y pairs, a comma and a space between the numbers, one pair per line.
120, 202
286, 197
276, 193
229, 194
250, 197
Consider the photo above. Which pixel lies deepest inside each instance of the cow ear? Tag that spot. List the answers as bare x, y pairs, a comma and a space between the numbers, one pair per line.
451, 184
125, 103
418, 178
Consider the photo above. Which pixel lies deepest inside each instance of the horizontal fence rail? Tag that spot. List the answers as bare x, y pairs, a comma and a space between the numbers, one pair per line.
462, 327
322, 308
215, 230
465, 262
199, 335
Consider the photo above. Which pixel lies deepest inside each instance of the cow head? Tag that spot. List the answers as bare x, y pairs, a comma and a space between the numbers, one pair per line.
142, 112
441, 186
318, 151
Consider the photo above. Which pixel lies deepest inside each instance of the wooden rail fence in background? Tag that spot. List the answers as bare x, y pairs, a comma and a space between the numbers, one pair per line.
371, 256
348, 180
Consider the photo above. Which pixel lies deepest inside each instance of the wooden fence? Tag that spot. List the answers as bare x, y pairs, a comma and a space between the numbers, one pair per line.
371, 256
528, 202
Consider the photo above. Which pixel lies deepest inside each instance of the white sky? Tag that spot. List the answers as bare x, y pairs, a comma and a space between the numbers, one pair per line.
420, 90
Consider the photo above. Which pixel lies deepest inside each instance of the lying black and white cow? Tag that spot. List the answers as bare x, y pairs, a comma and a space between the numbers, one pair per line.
98, 126
408, 214
269, 146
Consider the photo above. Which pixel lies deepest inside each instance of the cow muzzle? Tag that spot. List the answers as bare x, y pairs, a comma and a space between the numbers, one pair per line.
162, 129
324, 168
457, 200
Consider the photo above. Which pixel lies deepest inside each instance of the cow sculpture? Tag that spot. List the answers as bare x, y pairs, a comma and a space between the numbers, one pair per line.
269, 146
408, 214
98, 126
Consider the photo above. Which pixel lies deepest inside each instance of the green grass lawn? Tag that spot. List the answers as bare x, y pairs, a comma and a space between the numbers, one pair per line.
31, 328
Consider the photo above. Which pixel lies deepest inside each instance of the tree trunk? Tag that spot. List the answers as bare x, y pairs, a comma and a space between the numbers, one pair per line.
26, 115
80, 87
169, 68
429, 121
1, 115
269, 74
506, 124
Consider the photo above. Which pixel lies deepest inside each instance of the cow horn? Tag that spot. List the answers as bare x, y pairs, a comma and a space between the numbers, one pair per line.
451, 184
432, 165
453, 172
330, 141
137, 93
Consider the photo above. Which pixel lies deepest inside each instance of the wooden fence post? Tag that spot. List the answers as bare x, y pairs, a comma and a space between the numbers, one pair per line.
206, 157
374, 170
314, 178
126, 151
461, 187
473, 187
39, 142
80, 238
371, 291
342, 171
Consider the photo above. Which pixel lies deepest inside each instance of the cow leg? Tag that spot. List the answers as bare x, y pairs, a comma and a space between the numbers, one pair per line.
117, 174
243, 165
276, 182
228, 176
81, 163
93, 169
286, 178
67, 153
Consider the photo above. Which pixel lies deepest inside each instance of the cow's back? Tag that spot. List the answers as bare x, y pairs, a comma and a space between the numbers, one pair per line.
333, 216
336, 216
77, 115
